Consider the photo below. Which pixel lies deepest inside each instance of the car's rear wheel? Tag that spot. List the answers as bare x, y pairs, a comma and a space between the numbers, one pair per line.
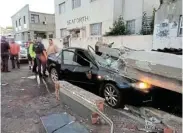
54, 75
112, 95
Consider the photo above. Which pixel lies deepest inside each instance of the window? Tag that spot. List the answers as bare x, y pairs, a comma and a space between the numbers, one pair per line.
81, 59
96, 29
74, 57
24, 20
68, 57
34, 18
16, 24
131, 26
180, 26
62, 8
76, 3
19, 21
63, 33
50, 35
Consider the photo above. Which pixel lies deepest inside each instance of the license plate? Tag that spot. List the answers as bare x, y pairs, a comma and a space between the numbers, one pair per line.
149, 125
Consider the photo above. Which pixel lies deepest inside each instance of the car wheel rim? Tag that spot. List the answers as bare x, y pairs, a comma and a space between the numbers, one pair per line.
111, 95
54, 75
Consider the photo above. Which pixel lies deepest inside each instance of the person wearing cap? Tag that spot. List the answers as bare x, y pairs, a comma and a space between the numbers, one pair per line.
14, 54
4, 54
41, 57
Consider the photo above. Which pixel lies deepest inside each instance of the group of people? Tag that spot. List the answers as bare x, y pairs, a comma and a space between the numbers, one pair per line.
9, 51
37, 55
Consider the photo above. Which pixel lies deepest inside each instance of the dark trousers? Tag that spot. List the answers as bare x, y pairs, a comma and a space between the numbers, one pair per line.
4, 59
14, 58
39, 64
34, 69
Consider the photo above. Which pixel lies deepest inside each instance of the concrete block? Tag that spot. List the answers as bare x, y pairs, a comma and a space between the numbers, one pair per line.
84, 103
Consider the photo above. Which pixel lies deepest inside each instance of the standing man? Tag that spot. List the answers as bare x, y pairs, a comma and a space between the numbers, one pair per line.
33, 56
4, 54
28, 54
52, 48
14, 54
41, 57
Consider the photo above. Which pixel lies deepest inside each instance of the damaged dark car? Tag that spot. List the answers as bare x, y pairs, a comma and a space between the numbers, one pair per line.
83, 66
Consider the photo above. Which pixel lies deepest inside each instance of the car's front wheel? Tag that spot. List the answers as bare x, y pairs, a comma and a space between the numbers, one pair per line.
112, 95
54, 75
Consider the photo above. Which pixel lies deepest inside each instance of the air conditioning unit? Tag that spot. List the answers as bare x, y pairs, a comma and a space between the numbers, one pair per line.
44, 22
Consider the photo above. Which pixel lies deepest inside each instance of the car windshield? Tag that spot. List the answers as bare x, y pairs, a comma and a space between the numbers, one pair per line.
106, 61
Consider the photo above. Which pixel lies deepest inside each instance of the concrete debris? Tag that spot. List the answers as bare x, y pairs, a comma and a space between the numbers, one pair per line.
154, 120
150, 130
125, 108
4, 84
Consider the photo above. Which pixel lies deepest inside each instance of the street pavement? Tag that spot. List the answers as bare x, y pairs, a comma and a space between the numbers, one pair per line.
24, 102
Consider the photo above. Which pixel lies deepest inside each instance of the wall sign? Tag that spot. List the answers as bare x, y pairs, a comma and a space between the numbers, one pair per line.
78, 20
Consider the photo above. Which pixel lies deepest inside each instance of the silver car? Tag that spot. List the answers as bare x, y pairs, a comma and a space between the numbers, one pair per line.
23, 51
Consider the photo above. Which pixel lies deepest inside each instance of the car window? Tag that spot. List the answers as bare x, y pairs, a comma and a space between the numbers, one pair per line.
68, 57
81, 59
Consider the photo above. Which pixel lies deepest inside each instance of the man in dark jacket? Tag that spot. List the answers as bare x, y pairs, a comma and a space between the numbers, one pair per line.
40, 51
4, 54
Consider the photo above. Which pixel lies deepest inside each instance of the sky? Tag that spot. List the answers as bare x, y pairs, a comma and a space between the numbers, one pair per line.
9, 7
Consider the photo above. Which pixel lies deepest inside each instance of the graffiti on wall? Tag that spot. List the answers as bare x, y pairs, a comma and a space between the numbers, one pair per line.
163, 29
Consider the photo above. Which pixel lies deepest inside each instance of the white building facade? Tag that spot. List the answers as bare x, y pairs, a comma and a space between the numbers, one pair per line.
86, 18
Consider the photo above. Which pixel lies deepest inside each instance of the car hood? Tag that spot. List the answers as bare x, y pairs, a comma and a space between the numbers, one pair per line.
110, 74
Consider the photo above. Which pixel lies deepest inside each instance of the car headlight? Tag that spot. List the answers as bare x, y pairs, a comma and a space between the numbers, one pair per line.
141, 86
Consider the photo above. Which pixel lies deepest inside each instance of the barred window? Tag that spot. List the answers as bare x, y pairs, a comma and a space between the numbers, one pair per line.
131, 26
96, 29
62, 8
76, 3
63, 32
180, 26
34, 18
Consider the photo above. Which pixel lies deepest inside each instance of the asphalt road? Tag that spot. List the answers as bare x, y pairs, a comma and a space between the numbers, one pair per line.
24, 102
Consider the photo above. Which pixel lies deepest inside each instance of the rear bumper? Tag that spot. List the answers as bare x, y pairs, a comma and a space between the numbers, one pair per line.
23, 57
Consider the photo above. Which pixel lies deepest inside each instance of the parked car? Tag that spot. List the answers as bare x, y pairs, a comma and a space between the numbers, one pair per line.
23, 51
82, 66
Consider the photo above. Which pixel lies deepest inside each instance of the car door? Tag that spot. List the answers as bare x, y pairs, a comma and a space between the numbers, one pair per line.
68, 65
83, 73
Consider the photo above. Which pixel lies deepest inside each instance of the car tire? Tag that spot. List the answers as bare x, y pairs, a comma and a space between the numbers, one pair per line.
112, 95
54, 74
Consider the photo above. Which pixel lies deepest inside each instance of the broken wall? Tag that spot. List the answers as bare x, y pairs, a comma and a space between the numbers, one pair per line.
167, 23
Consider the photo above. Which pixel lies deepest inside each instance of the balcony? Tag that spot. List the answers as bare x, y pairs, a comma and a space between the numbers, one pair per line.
42, 27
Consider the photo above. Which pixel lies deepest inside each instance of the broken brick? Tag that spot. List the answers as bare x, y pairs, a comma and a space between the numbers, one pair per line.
94, 118
100, 105
168, 130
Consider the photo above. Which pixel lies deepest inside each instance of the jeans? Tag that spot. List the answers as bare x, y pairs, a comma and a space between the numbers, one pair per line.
4, 59
34, 69
13, 59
